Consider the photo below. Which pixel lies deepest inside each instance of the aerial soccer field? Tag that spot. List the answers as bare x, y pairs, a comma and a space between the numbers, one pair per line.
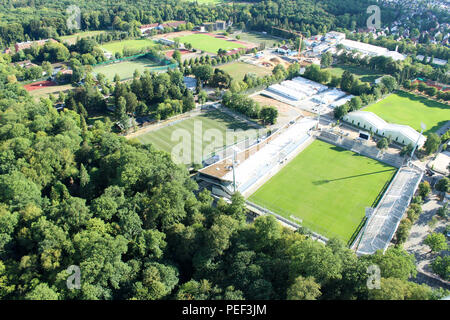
326, 187
125, 69
409, 109
197, 128
119, 46
209, 43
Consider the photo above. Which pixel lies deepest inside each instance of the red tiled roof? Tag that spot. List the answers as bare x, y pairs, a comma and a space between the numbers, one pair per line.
25, 45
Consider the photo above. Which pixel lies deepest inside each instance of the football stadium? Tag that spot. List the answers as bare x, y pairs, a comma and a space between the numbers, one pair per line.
337, 188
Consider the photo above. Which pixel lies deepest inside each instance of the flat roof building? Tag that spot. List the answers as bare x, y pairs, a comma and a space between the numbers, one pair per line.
371, 50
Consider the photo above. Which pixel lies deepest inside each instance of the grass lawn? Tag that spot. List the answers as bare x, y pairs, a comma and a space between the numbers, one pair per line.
327, 187
91, 120
118, 46
208, 43
71, 39
239, 69
164, 138
257, 38
409, 109
125, 69
365, 75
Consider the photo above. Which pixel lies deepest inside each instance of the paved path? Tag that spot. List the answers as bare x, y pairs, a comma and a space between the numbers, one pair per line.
419, 231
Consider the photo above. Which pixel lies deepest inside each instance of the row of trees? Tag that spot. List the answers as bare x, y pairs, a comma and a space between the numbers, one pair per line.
249, 107
430, 91
403, 71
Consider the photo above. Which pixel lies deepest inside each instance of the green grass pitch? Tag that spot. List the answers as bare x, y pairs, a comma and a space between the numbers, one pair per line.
162, 138
409, 109
208, 43
327, 188
125, 69
362, 74
238, 70
118, 46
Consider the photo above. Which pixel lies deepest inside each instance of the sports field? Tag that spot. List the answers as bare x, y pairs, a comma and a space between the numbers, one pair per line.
238, 70
195, 128
118, 46
327, 188
362, 74
209, 43
258, 38
409, 109
125, 69
71, 39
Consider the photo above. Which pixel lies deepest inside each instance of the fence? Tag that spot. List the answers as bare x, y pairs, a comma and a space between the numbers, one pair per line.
120, 59
284, 220
167, 65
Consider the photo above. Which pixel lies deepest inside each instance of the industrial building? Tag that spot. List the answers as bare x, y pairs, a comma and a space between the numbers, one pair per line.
371, 50
329, 96
396, 132
436, 61
306, 94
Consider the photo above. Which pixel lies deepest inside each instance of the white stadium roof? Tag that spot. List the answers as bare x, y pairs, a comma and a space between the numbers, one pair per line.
385, 128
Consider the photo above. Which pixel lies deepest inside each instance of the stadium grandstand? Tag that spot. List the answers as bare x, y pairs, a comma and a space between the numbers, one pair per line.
253, 165
380, 227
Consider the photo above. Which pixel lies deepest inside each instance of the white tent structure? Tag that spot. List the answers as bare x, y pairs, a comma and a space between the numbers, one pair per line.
371, 50
399, 133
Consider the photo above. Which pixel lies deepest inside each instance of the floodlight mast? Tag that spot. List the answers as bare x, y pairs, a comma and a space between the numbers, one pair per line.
234, 175
423, 127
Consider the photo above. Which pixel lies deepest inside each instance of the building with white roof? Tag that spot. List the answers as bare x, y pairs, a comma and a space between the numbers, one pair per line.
364, 47
329, 96
341, 101
436, 61
396, 132
321, 48
371, 50
334, 36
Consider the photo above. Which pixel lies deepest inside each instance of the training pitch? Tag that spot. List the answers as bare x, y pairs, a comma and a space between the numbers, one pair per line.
125, 69
327, 187
409, 109
362, 74
208, 43
119, 46
238, 70
197, 127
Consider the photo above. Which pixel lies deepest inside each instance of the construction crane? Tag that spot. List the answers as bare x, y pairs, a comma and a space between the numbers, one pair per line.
298, 34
